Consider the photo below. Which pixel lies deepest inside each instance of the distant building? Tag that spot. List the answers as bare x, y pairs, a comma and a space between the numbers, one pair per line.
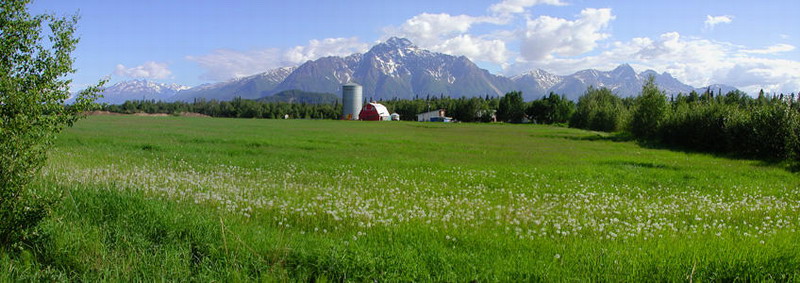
395, 117
487, 115
374, 112
433, 116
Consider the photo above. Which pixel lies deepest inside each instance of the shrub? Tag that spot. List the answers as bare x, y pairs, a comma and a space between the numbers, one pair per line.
32, 110
599, 110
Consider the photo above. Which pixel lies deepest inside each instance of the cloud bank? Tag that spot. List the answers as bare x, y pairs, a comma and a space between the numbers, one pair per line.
225, 64
148, 70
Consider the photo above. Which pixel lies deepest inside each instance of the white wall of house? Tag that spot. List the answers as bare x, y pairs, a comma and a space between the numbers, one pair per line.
425, 117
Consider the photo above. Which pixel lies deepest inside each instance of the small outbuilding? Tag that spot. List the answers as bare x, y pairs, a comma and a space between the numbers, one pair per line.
374, 112
395, 116
433, 116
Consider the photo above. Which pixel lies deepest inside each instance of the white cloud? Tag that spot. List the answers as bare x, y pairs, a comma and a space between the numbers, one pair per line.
773, 75
694, 61
507, 7
224, 64
545, 36
778, 48
323, 48
488, 50
426, 27
148, 70
448, 34
712, 21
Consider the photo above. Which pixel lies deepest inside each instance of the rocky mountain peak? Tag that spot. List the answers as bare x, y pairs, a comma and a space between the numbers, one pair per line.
623, 71
394, 46
399, 43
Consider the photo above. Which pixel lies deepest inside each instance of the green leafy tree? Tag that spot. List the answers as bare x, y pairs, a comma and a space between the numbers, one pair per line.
33, 89
599, 110
551, 109
511, 108
649, 112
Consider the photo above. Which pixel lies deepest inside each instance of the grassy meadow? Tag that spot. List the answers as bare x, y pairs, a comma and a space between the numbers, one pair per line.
179, 198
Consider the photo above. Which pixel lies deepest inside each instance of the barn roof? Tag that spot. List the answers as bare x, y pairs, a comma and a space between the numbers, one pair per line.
382, 111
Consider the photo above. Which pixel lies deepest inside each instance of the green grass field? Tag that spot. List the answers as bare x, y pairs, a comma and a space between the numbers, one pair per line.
176, 198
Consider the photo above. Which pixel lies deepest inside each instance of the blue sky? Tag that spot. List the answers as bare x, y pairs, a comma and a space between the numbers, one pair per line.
747, 44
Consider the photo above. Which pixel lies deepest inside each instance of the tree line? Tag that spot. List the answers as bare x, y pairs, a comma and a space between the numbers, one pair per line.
236, 108
510, 108
765, 127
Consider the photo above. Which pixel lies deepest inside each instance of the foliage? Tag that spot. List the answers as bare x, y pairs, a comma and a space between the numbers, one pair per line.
599, 110
32, 110
649, 111
551, 109
765, 127
511, 108
237, 108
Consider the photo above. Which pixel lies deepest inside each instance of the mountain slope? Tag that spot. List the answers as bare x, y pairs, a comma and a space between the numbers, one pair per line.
299, 96
139, 90
251, 87
398, 69
623, 81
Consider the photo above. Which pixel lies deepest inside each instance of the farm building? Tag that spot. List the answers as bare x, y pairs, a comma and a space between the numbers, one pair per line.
374, 112
352, 94
433, 116
395, 116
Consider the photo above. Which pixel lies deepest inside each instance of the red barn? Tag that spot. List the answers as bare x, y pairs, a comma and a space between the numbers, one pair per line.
374, 112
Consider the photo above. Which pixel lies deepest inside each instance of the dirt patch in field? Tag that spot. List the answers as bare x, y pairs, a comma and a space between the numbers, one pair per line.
101, 113
193, 114
151, 115
108, 113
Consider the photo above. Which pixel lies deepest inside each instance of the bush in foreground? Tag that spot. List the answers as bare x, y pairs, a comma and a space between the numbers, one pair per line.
32, 110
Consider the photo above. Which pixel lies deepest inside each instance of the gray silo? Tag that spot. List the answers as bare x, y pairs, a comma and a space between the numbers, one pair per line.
351, 101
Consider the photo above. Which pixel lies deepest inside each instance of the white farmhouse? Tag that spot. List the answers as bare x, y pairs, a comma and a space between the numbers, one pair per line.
435, 114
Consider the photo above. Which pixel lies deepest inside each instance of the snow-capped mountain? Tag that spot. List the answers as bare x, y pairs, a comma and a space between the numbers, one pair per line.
252, 87
623, 81
139, 90
536, 83
397, 68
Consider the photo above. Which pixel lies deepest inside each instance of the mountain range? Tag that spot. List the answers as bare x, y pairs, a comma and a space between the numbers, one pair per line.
140, 90
397, 68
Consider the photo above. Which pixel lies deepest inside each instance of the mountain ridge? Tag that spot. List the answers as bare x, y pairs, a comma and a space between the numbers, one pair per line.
396, 68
